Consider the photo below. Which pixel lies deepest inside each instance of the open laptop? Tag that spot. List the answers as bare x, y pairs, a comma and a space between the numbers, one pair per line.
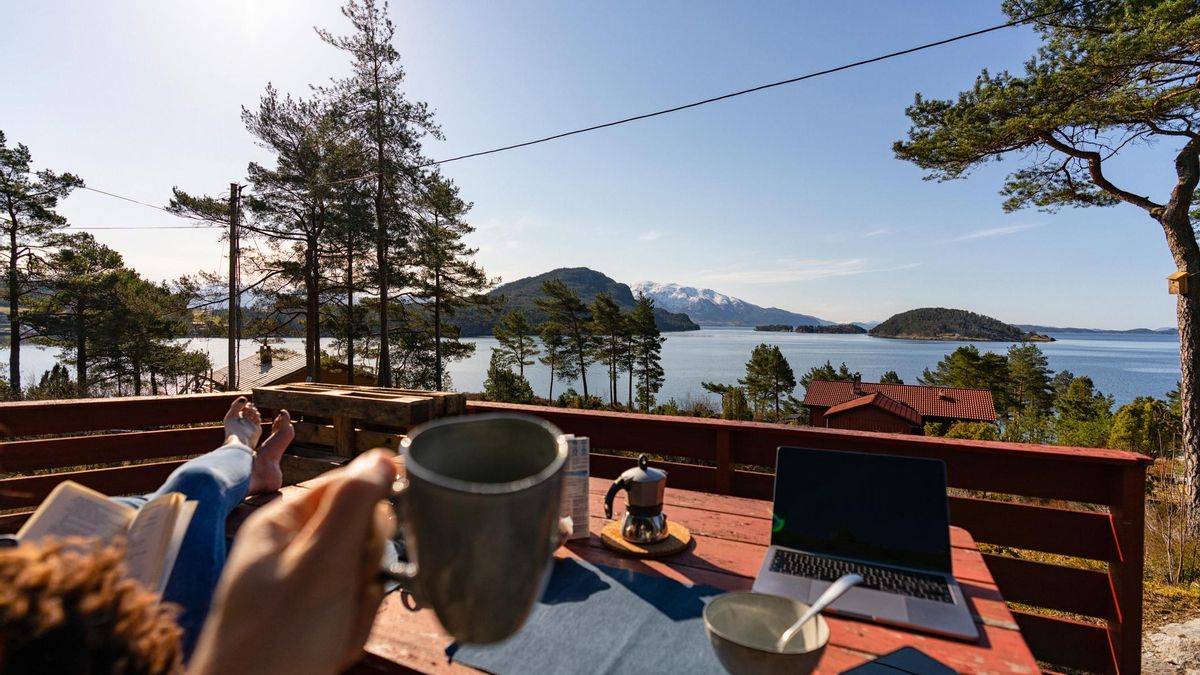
882, 517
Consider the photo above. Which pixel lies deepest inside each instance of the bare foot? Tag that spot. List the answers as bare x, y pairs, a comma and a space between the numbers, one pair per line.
265, 474
243, 422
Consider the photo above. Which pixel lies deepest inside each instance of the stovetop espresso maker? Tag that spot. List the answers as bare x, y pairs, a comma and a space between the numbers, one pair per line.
645, 522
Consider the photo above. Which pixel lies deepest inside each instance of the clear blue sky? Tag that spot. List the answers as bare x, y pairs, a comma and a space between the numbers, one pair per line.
789, 197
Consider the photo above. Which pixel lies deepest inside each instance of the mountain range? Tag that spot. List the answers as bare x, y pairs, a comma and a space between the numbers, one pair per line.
710, 308
522, 293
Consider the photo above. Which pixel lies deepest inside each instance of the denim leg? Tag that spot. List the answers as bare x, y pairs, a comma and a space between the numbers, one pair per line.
218, 482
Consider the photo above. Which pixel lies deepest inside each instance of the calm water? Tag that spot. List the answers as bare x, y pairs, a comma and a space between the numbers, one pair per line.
1125, 366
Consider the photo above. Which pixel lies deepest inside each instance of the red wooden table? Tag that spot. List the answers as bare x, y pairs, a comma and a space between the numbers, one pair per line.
731, 537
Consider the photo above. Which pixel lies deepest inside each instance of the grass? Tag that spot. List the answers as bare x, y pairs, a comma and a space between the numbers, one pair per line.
1165, 603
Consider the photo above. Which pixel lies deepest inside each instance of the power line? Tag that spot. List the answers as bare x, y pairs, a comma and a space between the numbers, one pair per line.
146, 227
678, 108
780, 83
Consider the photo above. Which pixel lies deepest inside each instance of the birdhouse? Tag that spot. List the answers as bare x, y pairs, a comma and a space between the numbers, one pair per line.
1177, 283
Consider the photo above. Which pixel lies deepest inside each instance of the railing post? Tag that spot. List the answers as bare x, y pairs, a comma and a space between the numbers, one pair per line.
724, 463
1129, 523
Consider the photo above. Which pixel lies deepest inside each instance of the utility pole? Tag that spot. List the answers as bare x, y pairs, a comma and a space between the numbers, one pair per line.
231, 381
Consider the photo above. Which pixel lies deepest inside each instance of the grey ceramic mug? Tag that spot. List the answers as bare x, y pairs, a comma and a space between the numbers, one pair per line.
479, 511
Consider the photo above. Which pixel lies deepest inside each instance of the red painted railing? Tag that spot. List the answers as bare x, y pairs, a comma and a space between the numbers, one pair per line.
1082, 503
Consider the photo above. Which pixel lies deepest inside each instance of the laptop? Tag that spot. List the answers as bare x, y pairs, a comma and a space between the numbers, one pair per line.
882, 517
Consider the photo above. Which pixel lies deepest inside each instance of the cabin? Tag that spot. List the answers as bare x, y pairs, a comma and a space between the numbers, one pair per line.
281, 366
893, 408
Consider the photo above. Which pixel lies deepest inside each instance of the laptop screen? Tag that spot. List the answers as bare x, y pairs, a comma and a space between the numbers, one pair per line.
877, 508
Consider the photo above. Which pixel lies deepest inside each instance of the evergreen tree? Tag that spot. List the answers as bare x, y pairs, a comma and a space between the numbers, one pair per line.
647, 352
890, 377
27, 205
556, 356
389, 128
503, 385
768, 377
826, 373
1084, 415
966, 367
564, 308
54, 384
734, 405
1030, 389
608, 327
79, 294
518, 347
1145, 425
1109, 77
444, 276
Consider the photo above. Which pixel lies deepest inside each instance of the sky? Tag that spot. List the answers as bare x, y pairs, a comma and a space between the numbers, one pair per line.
790, 197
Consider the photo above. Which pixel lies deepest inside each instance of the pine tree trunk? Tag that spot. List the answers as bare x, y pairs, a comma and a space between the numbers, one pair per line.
1181, 239
14, 323
350, 326
81, 356
437, 329
381, 259
312, 315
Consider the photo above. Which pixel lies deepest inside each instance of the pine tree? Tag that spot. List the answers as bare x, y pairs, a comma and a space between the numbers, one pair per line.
608, 325
389, 127
27, 206
1029, 383
556, 356
890, 377
826, 373
768, 377
443, 275
79, 293
564, 308
647, 352
1109, 79
967, 367
503, 385
518, 347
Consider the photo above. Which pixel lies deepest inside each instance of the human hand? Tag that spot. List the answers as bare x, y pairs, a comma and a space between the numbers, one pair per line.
300, 591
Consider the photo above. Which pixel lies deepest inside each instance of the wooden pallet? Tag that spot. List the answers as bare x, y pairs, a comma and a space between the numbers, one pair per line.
349, 419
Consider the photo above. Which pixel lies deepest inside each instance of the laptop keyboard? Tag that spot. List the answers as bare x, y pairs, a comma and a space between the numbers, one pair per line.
913, 584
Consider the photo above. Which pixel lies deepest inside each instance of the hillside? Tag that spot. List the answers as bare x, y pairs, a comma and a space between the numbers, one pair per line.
520, 294
939, 323
710, 308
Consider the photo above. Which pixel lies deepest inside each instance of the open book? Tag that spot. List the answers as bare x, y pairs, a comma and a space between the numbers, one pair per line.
153, 534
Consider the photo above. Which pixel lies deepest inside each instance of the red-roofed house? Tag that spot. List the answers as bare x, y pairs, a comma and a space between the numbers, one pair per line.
893, 408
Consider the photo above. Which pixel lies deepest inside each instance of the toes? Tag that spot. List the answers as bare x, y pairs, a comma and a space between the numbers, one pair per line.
281, 420
236, 407
251, 413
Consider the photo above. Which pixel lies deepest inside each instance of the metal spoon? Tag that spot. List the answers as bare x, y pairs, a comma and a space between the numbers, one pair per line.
832, 593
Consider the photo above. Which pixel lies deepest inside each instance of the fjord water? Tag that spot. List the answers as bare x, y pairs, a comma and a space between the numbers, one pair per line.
1124, 365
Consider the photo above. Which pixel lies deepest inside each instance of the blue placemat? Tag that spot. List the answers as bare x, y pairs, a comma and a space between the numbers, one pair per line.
599, 619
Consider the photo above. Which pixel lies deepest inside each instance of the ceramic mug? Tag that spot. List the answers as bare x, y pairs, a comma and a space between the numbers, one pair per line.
479, 510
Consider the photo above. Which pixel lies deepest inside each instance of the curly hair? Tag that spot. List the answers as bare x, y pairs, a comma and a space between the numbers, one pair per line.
66, 607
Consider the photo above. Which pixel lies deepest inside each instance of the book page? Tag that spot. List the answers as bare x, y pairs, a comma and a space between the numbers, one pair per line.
72, 510
148, 537
182, 520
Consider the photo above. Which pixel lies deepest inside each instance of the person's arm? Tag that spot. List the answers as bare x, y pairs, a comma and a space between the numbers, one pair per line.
300, 590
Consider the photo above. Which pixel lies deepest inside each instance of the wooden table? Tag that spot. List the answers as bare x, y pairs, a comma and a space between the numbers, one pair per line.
731, 537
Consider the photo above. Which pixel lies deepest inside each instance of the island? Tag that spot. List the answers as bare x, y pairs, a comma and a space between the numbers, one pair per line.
940, 323
836, 328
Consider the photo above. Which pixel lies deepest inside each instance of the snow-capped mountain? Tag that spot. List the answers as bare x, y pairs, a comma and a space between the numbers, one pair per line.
708, 307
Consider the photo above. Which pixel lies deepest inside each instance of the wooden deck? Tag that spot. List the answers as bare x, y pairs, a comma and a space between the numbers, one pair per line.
1031, 503
731, 537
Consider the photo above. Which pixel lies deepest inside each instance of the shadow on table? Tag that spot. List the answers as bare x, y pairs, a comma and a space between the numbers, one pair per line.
907, 660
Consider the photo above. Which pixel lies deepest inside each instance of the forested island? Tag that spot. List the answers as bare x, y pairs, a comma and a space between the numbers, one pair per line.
835, 328
940, 323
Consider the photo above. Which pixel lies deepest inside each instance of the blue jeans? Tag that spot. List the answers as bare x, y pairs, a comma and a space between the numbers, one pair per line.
218, 481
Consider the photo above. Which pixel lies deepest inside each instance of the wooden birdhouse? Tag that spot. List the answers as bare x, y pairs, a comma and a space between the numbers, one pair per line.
1177, 283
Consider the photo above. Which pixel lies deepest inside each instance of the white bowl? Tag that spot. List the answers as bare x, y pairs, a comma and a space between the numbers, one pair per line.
743, 628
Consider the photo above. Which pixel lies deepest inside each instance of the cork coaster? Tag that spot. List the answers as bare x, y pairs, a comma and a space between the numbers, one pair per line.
677, 540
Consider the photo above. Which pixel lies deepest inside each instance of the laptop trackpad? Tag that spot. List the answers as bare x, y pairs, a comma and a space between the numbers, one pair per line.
863, 602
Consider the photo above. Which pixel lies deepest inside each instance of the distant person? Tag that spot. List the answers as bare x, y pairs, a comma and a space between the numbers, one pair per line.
299, 595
